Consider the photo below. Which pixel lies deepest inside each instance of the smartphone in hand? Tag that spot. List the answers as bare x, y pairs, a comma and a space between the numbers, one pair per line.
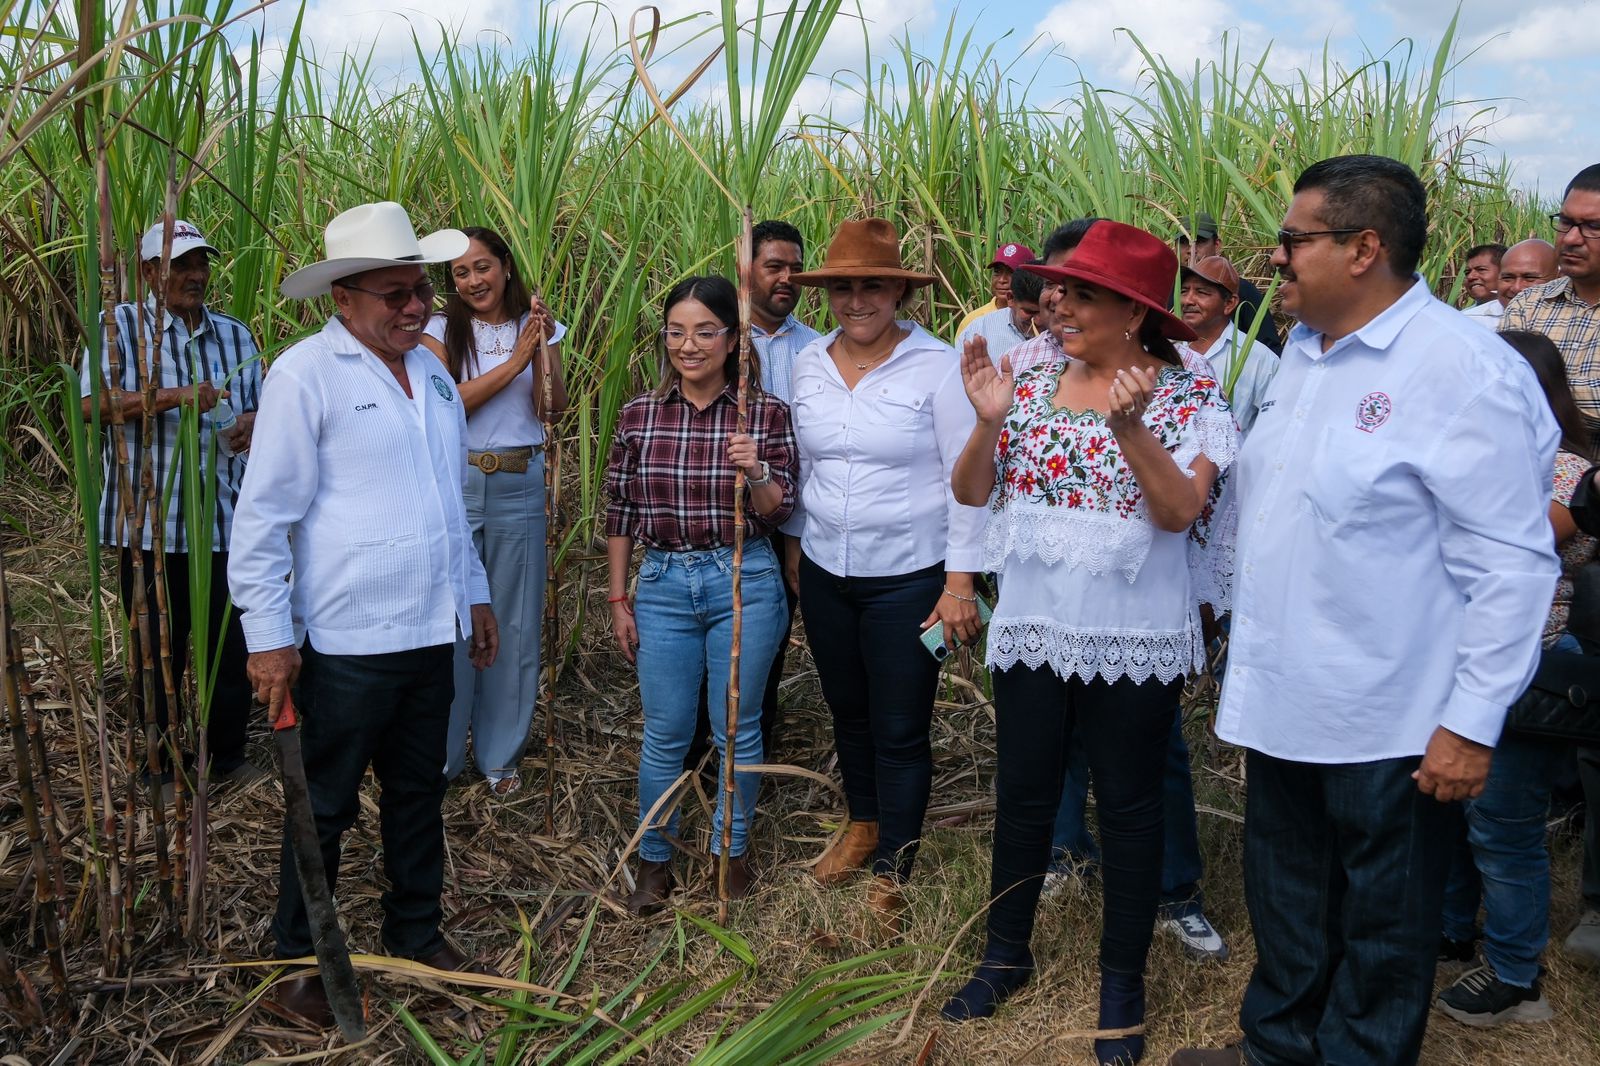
933, 637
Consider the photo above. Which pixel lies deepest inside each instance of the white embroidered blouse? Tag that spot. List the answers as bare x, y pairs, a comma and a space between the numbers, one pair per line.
1088, 584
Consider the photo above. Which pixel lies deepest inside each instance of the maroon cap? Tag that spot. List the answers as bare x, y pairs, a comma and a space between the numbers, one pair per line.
1012, 255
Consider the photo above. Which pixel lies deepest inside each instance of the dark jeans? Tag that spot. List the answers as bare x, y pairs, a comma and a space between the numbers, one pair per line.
230, 697
769, 699
1589, 774
1500, 860
879, 682
1181, 865
391, 712
1344, 870
1124, 728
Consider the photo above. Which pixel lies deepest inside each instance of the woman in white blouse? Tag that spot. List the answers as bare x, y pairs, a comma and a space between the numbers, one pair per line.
880, 416
1099, 468
490, 344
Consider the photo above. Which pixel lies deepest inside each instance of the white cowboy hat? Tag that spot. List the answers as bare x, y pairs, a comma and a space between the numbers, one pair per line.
369, 237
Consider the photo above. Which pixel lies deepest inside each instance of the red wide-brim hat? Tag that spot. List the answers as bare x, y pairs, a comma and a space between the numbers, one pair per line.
1129, 262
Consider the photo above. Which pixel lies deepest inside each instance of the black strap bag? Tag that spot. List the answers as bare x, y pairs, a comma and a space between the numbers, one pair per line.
1562, 704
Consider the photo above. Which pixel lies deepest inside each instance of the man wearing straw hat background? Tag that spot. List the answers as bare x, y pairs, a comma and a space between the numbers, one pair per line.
354, 493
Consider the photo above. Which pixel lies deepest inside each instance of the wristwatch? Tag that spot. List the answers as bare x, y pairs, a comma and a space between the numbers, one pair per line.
764, 479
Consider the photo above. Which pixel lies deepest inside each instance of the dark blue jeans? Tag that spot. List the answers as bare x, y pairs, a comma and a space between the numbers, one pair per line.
391, 712
1500, 859
879, 682
1344, 869
1181, 865
1124, 727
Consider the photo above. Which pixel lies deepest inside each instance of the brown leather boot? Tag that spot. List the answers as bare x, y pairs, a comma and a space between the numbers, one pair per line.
853, 851
740, 876
655, 883
886, 909
305, 998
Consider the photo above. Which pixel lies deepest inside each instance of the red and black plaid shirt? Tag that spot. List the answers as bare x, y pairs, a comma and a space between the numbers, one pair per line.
669, 479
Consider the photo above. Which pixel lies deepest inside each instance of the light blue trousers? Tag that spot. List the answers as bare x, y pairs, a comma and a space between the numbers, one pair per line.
506, 512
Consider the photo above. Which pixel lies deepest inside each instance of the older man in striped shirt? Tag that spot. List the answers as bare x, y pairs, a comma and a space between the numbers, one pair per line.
199, 358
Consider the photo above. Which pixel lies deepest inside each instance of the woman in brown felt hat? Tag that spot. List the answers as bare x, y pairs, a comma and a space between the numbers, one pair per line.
1101, 467
880, 416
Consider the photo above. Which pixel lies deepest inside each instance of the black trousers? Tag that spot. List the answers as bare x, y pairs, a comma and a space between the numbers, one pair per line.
391, 712
230, 698
1124, 728
769, 699
879, 682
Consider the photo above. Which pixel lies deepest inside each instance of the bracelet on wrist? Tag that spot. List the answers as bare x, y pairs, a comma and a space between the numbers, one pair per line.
617, 599
957, 596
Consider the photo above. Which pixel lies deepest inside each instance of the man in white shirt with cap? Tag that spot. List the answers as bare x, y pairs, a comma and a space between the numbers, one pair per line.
354, 495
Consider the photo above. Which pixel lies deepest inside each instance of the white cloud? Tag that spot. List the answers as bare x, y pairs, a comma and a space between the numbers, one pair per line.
1182, 32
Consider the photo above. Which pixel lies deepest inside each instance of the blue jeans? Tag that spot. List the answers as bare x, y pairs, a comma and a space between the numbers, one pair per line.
1344, 869
684, 612
1181, 865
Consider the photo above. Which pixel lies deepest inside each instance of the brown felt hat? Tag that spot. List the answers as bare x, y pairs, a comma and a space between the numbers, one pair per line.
868, 248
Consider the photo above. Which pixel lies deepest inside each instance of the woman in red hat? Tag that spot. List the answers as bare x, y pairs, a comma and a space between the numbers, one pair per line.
880, 417
1101, 469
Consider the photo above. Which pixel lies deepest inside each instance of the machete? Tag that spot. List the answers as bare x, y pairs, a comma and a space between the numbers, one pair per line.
333, 957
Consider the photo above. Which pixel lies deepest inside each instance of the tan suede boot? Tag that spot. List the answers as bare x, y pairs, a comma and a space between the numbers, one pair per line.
655, 883
886, 910
852, 852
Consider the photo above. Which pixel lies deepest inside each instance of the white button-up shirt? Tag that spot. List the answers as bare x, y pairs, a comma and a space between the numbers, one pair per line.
355, 489
1395, 558
875, 462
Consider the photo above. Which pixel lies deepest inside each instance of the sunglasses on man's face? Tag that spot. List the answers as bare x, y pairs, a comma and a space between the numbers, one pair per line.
399, 299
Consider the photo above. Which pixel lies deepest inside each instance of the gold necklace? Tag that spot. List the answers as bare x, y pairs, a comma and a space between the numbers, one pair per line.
875, 359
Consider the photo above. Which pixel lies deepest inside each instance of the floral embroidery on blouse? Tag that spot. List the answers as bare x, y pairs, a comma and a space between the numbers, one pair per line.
1064, 491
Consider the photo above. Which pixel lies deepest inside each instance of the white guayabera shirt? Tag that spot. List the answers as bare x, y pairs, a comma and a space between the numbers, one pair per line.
875, 461
1394, 562
355, 489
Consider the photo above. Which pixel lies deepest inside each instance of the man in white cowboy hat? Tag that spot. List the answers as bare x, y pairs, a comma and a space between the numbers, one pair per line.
355, 494
201, 358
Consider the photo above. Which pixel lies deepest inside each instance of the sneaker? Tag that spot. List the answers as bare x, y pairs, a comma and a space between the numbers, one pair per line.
1456, 952
1480, 998
1583, 943
1200, 938
1063, 874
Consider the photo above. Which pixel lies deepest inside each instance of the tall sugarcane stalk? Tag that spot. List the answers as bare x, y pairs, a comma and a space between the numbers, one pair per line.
736, 642
46, 901
550, 639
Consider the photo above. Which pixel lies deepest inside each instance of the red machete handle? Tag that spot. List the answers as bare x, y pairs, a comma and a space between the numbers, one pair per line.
286, 719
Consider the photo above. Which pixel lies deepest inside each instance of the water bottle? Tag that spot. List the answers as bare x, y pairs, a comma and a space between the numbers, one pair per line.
222, 422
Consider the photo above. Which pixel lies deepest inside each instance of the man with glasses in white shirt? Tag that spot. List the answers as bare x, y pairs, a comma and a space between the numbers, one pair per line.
1386, 612
355, 495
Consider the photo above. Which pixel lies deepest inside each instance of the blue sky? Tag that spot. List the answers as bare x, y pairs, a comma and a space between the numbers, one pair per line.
1532, 63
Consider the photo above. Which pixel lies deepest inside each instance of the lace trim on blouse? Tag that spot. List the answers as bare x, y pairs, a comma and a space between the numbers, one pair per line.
1111, 654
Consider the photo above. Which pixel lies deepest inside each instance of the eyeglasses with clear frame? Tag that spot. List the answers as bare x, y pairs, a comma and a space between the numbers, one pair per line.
1588, 228
703, 338
398, 299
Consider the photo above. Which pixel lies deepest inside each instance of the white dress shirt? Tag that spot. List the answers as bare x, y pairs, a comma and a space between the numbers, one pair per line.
1249, 384
876, 460
355, 489
1395, 562
1486, 314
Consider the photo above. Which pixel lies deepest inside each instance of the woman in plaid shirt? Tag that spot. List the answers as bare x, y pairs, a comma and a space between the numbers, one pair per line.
670, 483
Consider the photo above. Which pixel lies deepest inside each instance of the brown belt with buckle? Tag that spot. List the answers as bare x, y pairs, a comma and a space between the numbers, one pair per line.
509, 460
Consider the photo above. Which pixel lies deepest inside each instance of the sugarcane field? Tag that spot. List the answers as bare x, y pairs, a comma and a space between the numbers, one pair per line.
799, 532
